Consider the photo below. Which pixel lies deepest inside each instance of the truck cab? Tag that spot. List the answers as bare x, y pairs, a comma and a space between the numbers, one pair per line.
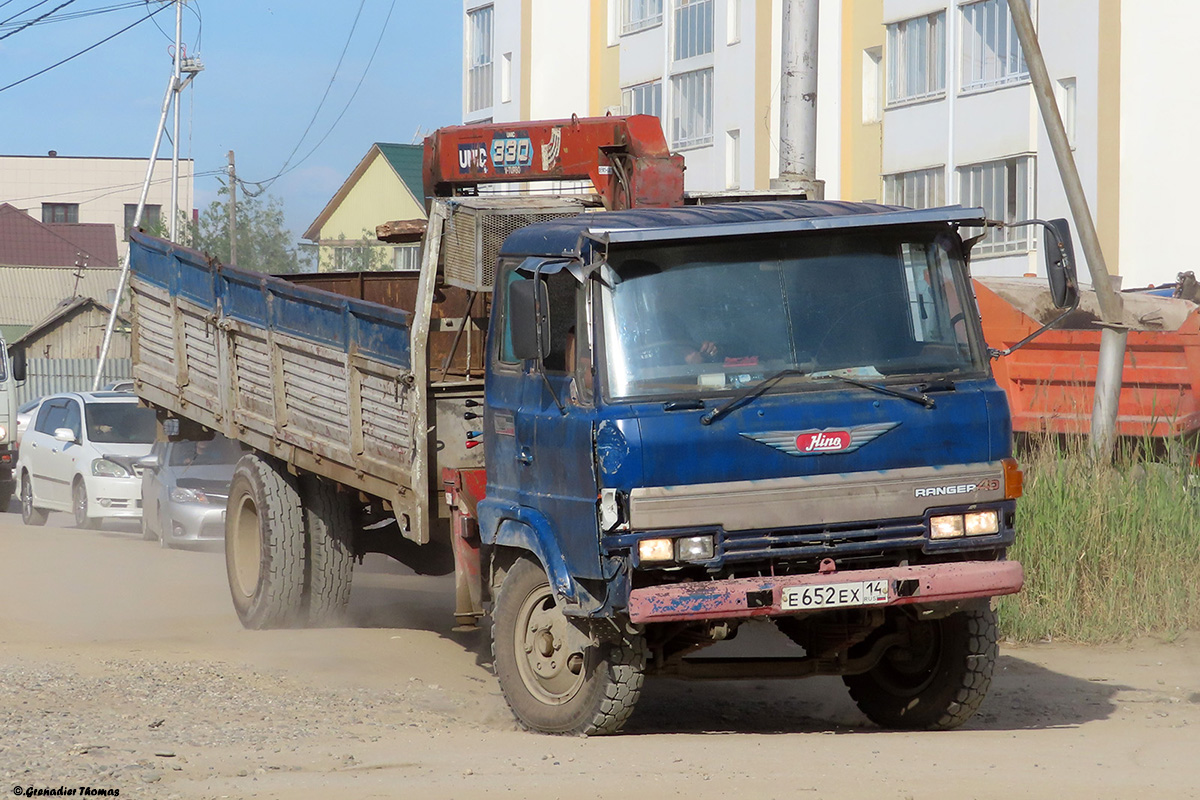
699, 416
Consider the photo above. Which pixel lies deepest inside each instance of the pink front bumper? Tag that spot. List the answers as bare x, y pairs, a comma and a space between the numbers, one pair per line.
753, 597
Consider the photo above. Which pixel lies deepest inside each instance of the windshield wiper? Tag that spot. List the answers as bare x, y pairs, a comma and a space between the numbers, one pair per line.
749, 393
916, 397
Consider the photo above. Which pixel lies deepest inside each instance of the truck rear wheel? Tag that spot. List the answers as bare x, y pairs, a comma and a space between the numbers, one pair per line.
937, 680
329, 521
264, 546
557, 675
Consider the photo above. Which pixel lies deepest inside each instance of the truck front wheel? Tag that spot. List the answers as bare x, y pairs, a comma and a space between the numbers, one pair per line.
934, 681
264, 546
556, 674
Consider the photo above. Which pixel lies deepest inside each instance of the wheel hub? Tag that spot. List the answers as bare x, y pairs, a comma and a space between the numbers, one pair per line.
554, 649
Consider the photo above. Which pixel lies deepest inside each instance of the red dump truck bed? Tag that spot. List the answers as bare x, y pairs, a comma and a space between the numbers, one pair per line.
1051, 381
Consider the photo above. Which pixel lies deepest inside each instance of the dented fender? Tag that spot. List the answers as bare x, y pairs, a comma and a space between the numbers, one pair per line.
503, 524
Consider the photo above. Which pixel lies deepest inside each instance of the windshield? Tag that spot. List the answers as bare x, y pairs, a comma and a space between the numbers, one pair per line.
874, 305
120, 423
3, 362
218, 450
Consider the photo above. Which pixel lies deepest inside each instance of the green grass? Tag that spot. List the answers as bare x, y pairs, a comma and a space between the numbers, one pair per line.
1110, 552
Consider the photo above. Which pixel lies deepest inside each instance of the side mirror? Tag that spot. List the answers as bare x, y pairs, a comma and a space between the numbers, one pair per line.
64, 435
1060, 264
17, 355
530, 329
151, 462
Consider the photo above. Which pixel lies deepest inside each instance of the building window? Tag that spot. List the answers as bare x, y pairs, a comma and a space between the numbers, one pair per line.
921, 188
645, 98
1004, 189
692, 108
407, 258
479, 58
151, 216
1066, 107
916, 63
638, 15
733, 22
693, 28
60, 212
991, 52
872, 85
733, 159
506, 78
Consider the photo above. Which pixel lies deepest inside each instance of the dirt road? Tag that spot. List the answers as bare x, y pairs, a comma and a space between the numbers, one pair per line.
122, 666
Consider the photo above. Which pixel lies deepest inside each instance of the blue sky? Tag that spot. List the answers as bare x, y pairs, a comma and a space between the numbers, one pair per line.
267, 65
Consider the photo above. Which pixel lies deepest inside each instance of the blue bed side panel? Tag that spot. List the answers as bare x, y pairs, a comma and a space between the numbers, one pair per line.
369, 329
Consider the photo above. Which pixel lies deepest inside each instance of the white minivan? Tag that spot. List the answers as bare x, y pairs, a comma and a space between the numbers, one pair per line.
80, 455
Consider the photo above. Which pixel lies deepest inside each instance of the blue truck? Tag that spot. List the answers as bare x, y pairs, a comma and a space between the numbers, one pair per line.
627, 433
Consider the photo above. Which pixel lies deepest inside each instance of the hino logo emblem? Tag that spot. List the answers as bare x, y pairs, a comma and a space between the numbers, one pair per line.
816, 442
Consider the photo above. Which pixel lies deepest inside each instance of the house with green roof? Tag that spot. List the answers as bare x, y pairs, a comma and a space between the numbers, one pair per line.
386, 185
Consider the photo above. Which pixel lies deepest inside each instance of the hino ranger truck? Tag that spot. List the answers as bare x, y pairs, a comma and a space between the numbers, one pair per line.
627, 430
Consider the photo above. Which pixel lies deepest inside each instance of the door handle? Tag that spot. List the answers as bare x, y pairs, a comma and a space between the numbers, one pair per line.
525, 456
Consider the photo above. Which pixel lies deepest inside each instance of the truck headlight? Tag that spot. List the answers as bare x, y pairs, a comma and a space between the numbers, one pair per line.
948, 527
694, 548
656, 550
3, 431
108, 469
179, 495
980, 523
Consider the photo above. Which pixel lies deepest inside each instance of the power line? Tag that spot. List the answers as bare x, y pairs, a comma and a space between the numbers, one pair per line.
34, 21
320, 105
74, 15
26, 11
81, 52
264, 185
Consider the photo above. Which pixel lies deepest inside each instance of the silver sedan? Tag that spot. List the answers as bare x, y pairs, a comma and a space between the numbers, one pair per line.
184, 488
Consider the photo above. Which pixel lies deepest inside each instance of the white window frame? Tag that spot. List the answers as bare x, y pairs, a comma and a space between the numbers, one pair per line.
918, 188
640, 15
916, 59
693, 28
692, 116
634, 99
479, 47
406, 258
991, 51
872, 86
1006, 190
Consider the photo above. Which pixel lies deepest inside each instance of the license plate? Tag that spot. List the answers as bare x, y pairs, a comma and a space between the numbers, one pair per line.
835, 595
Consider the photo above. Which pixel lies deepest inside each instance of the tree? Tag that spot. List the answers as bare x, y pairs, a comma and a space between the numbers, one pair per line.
263, 243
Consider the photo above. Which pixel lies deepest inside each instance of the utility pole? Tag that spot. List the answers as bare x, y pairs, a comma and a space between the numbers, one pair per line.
1114, 333
175, 86
232, 211
798, 100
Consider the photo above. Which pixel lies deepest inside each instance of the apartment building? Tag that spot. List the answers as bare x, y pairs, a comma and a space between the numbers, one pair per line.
58, 188
709, 69
920, 103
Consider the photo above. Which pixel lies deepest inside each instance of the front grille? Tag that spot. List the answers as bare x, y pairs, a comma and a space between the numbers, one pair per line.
806, 544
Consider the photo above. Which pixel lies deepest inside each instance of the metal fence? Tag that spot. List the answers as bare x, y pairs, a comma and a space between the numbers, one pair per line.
53, 375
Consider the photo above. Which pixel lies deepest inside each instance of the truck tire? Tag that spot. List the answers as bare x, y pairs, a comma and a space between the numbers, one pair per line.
329, 522
938, 681
264, 546
557, 676
30, 514
6, 494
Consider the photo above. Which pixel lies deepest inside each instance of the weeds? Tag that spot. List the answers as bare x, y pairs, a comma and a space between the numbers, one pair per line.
1110, 550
